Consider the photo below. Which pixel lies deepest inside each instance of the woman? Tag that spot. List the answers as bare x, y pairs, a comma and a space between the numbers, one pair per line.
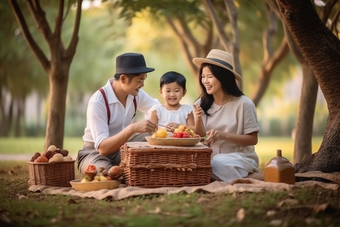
228, 117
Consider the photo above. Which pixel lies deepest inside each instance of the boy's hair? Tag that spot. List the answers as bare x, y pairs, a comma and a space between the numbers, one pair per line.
130, 76
170, 77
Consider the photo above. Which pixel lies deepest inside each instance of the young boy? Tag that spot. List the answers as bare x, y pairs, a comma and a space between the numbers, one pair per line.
110, 114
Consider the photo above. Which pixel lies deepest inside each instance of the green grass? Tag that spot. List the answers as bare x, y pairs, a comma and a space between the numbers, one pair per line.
30, 145
266, 147
297, 207
19, 207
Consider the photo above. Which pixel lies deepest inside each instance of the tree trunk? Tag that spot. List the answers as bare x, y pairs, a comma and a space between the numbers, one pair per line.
3, 116
304, 123
309, 32
58, 79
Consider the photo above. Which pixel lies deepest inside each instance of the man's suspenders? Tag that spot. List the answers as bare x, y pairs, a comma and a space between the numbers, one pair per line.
108, 109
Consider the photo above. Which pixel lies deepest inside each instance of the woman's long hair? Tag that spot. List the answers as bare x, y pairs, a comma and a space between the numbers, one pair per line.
228, 84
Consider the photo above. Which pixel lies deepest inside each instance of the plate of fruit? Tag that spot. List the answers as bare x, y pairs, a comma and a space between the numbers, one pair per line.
181, 136
94, 180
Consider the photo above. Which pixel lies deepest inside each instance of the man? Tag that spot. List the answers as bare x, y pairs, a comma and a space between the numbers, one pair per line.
110, 114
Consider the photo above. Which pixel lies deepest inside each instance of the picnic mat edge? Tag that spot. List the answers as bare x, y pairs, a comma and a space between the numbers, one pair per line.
239, 185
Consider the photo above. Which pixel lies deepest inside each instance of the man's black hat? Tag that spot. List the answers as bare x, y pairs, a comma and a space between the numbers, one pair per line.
131, 63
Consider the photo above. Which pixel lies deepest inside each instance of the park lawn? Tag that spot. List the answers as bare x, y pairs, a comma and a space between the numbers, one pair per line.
313, 206
266, 147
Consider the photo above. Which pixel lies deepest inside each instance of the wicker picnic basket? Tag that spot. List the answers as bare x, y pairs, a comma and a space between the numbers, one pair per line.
150, 166
51, 174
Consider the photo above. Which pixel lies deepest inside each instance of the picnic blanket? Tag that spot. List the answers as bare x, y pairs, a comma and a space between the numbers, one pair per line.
239, 185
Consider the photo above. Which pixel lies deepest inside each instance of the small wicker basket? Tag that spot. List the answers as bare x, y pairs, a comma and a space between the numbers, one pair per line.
51, 174
151, 166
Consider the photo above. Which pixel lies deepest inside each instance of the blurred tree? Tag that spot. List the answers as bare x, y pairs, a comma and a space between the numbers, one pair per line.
309, 32
57, 67
19, 76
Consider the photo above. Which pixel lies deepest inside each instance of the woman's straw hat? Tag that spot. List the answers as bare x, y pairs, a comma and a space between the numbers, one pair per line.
220, 58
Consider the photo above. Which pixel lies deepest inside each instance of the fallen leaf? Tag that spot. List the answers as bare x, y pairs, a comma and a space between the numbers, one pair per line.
22, 197
275, 222
271, 212
288, 202
137, 209
156, 211
240, 215
320, 207
313, 221
202, 200
11, 172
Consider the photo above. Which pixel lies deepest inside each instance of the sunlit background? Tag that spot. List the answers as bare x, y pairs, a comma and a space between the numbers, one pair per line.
103, 36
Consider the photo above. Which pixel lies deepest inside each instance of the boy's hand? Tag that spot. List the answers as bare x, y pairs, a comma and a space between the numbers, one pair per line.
172, 126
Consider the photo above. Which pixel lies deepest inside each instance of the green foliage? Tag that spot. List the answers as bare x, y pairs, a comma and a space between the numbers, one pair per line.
169, 8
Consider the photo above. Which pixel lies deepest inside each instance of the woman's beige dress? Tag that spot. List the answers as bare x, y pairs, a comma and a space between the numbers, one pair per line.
230, 161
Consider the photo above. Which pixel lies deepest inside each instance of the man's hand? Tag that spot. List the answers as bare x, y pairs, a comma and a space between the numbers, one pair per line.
144, 126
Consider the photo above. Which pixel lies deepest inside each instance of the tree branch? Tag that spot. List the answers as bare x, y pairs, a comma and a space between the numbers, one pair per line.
209, 39
217, 23
334, 20
28, 36
68, 9
268, 35
74, 40
183, 40
232, 15
235, 45
39, 17
59, 19
277, 57
327, 9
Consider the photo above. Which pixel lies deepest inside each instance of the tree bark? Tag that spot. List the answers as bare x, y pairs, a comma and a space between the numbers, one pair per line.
56, 111
309, 32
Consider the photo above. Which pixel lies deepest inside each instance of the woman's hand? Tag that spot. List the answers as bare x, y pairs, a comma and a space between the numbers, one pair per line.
198, 111
241, 140
214, 135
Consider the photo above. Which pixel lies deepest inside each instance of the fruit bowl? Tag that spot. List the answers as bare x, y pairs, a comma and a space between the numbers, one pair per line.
94, 186
171, 141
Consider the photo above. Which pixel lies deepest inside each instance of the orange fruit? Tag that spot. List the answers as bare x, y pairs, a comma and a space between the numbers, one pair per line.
162, 133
